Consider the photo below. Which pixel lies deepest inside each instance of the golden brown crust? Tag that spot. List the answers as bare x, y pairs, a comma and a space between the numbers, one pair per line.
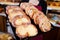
38, 17
26, 31
21, 29
14, 11
19, 20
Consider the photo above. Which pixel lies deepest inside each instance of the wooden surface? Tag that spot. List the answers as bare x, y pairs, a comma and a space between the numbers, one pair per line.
3, 24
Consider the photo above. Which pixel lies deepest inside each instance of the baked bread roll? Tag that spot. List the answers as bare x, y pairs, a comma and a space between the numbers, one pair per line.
26, 31
17, 16
21, 22
38, 16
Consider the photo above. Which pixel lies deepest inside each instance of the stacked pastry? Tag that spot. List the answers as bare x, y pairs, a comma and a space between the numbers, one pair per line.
38, 16
21, 22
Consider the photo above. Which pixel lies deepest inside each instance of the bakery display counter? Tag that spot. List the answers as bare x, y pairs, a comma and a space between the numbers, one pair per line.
9, 3
53, 5
53, 34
